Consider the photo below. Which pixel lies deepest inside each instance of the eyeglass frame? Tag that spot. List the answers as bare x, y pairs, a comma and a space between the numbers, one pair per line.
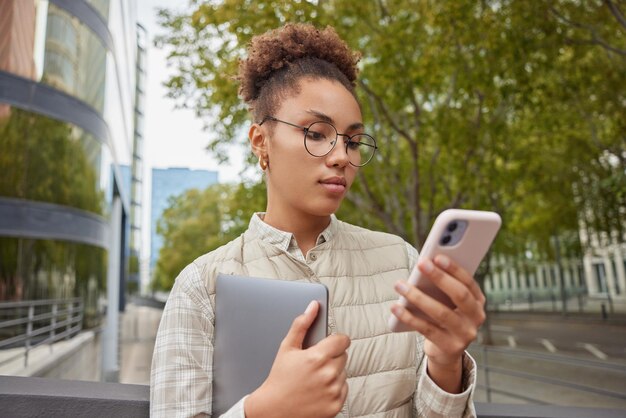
305, 129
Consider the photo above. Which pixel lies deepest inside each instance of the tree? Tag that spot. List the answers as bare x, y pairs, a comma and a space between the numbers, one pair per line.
488, 105
199, 221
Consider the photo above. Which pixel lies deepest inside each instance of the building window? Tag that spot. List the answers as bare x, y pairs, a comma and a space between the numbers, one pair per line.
533, 280
60, 71
600, 276
74, 58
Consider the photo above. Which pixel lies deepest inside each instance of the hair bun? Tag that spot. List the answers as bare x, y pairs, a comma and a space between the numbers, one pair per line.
279, 48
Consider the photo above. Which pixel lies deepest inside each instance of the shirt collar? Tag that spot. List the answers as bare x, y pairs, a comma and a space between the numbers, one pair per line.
285, 240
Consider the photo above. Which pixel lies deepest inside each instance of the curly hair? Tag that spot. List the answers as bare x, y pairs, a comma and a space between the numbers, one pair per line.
277, 60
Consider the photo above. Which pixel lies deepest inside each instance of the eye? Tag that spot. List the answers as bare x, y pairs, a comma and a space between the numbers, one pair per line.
320, 132
315, 136
353, 145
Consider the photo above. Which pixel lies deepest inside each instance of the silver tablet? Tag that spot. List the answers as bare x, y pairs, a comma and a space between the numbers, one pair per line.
252, 316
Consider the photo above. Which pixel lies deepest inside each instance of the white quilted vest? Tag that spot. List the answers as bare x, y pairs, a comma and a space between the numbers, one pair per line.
359, 268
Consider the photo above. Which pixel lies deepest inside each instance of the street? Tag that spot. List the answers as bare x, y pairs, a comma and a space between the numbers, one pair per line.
578, 351
557, 335
139, 326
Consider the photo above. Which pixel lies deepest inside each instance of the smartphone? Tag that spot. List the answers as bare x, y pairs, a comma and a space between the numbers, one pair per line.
463, 235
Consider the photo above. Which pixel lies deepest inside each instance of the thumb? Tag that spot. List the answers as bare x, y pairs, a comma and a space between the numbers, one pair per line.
300, 326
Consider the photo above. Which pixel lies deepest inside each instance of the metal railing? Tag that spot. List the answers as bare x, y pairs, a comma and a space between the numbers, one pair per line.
536, 298
575, 300
489, 370
32, 323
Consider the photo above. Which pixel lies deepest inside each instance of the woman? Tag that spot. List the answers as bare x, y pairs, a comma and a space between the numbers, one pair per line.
310, 140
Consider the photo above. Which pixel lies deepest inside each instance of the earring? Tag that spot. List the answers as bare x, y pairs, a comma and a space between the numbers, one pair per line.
263, 163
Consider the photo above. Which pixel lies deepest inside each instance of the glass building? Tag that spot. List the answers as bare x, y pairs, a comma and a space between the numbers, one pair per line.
71, 78
137, 177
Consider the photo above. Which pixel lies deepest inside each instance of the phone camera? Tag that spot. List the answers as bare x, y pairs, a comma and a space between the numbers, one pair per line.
446, 239
452, 226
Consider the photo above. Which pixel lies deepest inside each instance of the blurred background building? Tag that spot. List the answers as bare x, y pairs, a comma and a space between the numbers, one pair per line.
599, 274
71, 111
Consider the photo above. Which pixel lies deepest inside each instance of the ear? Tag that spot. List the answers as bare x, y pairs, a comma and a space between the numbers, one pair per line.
258, 140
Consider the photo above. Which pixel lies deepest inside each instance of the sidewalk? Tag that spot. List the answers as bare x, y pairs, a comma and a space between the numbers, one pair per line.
42, 359
138, 329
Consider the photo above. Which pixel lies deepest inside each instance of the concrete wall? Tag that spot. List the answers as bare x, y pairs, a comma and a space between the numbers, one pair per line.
33, 397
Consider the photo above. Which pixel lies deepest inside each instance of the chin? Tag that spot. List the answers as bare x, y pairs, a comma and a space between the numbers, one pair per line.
324, 210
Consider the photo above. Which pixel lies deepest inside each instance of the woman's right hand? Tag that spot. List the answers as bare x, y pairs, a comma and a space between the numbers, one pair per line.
303, 383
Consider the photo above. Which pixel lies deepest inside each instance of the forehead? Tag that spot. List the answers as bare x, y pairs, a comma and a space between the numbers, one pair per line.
323, 96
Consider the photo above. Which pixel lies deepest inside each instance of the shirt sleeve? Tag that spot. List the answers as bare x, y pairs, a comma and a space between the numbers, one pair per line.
429, 399
412, 254
181, 378
432, 401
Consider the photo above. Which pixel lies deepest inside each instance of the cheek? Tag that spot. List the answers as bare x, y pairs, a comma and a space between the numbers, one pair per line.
291, 164
351, 173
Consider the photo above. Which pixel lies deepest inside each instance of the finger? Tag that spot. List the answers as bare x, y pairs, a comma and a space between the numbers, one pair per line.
343, 376
440, 314
456, 290
344, 393
300, 326
455, 324
446, 342
333, 345
340, 362
340, 383
431, 331
461, 274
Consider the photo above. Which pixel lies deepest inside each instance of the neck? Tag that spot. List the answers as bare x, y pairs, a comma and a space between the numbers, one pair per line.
305, 227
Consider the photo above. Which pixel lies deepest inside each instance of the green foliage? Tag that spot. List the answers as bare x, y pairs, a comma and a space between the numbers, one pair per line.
197, 222
502, 105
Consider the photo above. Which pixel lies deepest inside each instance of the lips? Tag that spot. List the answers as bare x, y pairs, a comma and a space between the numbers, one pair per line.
340, 181
336, 186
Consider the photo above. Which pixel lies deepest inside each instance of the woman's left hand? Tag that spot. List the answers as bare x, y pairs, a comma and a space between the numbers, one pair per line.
451, 330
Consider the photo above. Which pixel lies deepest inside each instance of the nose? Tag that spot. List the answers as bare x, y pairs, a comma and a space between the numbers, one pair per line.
338, 157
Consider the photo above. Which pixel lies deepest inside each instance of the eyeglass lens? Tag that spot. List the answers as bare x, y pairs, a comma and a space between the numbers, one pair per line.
320, 139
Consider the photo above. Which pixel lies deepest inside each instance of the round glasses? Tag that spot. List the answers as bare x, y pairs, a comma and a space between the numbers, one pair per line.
320, 139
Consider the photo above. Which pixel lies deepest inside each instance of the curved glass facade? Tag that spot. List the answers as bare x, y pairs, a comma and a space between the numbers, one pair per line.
67, 130
102, 6
49, 269
35, 146
74, 59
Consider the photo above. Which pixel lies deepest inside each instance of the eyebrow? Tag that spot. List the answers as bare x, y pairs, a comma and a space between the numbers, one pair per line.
326, 118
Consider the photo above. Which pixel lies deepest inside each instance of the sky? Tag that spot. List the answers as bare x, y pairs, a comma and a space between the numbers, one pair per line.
173, 137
